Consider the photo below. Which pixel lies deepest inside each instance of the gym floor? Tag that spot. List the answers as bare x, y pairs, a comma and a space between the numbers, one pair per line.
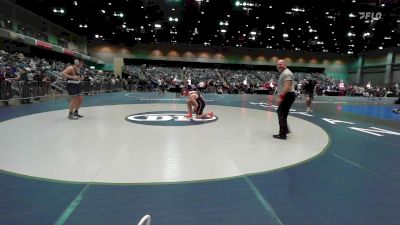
135, 154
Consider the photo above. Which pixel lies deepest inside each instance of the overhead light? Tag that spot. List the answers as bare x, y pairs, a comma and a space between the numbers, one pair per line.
118, 14
271, 27
366, 34
75, 3
253, 33
173, 19
380, 47
223, 31
61, 10
285, 35
103, 11
157, 25
297, 9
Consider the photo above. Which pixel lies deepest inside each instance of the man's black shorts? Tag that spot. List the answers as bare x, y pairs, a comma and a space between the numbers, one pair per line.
74, 89
309, 94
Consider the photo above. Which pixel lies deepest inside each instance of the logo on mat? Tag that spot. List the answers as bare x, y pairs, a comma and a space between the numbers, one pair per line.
168, 118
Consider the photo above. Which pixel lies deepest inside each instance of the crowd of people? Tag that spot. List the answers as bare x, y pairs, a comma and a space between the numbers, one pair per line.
29, 78
229, 81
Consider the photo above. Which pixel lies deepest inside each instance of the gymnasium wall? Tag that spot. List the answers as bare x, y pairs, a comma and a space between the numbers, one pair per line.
332, 64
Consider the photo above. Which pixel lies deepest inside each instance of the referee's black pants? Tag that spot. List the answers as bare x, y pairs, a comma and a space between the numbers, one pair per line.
283, 111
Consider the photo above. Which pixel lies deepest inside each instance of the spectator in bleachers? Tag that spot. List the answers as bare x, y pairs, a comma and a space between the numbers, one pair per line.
6, 89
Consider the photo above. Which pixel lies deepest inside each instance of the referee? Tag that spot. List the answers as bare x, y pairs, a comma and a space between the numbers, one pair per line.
286, 98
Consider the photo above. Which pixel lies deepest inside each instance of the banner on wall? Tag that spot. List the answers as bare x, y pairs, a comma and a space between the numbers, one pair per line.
31, 41
44, 44
57, 49
4, 33
86, 57
68, 52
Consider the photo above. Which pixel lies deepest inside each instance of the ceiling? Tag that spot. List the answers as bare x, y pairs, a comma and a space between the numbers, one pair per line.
308, 25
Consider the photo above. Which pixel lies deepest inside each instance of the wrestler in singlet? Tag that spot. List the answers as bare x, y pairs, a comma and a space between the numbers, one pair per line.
200, 101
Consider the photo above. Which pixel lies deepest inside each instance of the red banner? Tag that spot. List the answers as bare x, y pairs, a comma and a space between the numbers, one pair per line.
68, 52
44, 44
